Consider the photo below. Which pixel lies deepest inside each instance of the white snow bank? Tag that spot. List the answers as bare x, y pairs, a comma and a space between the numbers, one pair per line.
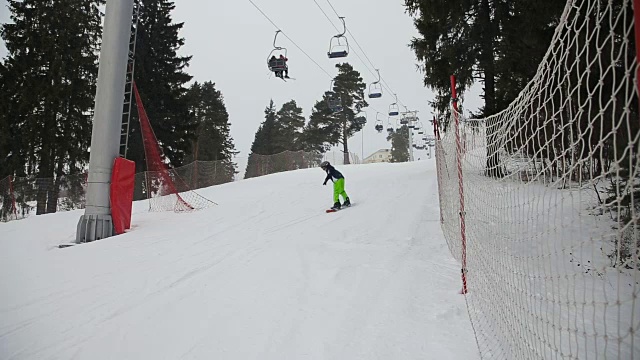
266, 274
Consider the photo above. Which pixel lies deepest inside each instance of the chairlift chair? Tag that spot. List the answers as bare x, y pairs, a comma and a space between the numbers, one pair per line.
338, 49
379, 124
277, 64
334, 100
394, 110
375, 88
360, 118
390, 128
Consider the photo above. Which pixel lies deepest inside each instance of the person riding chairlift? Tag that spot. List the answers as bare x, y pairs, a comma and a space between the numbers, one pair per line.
286, 67
278, 65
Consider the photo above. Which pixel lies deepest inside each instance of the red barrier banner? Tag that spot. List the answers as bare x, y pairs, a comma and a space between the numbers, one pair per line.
122, 183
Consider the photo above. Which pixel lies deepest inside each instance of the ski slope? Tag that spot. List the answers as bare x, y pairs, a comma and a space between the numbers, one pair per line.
265, 274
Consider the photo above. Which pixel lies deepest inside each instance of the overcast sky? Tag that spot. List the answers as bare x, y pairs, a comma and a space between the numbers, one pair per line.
230, 42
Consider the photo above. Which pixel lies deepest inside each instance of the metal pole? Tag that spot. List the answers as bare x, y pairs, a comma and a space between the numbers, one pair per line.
362, 150
410, 145
415, 117
96, 222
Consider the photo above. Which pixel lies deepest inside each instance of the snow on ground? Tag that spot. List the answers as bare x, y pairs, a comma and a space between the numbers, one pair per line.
266, 274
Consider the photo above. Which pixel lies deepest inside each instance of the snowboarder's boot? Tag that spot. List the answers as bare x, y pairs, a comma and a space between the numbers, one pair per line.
347, 202
336, 206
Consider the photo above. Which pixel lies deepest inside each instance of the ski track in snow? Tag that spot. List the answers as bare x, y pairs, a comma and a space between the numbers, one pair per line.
266, 274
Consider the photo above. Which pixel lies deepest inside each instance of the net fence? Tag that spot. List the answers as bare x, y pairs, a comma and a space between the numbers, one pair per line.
540, 203
24, 196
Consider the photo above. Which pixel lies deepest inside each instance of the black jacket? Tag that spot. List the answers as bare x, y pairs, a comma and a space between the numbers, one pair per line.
332, 173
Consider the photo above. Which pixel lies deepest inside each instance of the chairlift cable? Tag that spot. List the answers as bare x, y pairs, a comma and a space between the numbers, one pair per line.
304, 52
355, 52
293, 42
363, 52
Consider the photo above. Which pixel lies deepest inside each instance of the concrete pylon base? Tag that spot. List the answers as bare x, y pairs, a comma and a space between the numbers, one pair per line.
94, 227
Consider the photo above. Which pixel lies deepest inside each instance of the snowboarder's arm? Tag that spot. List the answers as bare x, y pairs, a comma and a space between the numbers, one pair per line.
327, 178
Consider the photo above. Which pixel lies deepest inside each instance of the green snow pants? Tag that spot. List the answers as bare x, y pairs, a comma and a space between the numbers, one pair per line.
338, 190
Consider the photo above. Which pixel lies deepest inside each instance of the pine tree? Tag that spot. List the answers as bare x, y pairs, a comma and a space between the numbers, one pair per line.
7, 147
52, 67
213, 141
399, 144
261, 144
289, 127
481, 39
329, 128
161, 78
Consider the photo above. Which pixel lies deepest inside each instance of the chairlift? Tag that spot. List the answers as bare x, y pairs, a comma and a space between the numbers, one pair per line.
276, 64
360, 118
390, 128
404, 120
338, 49
379, 127
394, 110
334, 100
379, 124
375, 88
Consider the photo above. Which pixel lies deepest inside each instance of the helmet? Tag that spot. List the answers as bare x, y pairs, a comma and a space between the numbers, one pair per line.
324, 164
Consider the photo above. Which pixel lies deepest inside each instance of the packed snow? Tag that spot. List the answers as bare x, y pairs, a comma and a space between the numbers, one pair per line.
265, 274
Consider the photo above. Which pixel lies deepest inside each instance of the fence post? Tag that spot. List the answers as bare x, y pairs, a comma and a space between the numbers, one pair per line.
459, 150
438, 156
13, 197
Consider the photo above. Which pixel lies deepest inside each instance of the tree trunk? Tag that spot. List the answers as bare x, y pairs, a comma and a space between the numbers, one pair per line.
44, 180
54, 191
487, 64
345, 146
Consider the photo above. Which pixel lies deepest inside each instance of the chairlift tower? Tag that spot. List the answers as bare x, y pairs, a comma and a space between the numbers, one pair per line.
96, 223
128, 86
413, 117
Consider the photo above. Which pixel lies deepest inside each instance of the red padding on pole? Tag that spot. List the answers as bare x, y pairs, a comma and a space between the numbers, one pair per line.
122, 181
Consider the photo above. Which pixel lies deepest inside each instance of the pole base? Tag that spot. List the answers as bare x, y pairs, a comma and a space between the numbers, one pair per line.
94, 227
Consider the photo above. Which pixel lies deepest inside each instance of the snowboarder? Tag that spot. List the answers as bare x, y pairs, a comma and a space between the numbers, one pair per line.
338, 185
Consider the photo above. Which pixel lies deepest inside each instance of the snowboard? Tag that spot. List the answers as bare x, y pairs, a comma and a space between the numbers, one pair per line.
342, 208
